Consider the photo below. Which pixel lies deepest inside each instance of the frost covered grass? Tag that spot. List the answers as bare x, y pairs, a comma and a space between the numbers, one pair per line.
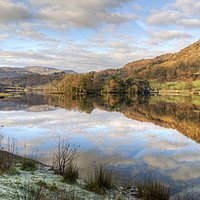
23, 178
42, 184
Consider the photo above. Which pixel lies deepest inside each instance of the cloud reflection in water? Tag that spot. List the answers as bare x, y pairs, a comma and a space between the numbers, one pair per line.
109, 137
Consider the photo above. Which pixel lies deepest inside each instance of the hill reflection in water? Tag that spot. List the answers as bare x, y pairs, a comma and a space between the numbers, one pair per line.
141, 134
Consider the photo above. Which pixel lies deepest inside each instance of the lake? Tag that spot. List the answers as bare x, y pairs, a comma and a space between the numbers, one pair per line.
137, 136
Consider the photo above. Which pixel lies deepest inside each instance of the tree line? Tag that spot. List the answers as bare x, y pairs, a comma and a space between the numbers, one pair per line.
88, 84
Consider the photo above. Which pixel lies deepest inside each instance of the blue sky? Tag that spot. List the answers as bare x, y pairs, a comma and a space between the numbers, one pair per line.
92, 35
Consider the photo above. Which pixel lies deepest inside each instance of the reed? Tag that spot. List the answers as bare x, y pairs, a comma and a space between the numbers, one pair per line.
101, 180
152, 189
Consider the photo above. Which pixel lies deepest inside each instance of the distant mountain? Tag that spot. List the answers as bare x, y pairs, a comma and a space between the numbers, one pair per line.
30, 80
8, 72
47, 70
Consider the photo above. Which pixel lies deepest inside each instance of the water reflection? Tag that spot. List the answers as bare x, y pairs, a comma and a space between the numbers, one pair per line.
139, 136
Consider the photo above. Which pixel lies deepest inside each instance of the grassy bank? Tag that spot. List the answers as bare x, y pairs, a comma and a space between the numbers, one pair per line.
41, 183
23, 178
27, 179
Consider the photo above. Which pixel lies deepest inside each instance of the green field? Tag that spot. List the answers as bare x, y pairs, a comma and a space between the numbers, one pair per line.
197, 84
172, 85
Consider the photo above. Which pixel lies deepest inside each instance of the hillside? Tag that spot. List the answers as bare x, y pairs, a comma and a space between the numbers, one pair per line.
46, 70
29, 77
31, 80
7, 72
175, 72
181, 66
170, 71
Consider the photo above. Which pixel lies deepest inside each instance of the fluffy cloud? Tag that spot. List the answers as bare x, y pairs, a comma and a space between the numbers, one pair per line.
13, 12
188, 7
17, 55
82, 13
32, 31
183, 13
27, 30
160, 36
189, 23
78, 3
160, 18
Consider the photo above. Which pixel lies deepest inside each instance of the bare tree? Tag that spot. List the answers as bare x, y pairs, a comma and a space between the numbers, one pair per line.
64, 154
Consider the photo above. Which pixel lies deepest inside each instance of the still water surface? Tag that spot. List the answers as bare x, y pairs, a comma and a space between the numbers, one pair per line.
137, 136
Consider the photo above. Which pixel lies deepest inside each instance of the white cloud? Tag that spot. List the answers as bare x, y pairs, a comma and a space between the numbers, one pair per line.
32, 31
188, 7
82, 13
27, 30
160, 18
182, 13
13, 12
29, 55
166, 35
189, 23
